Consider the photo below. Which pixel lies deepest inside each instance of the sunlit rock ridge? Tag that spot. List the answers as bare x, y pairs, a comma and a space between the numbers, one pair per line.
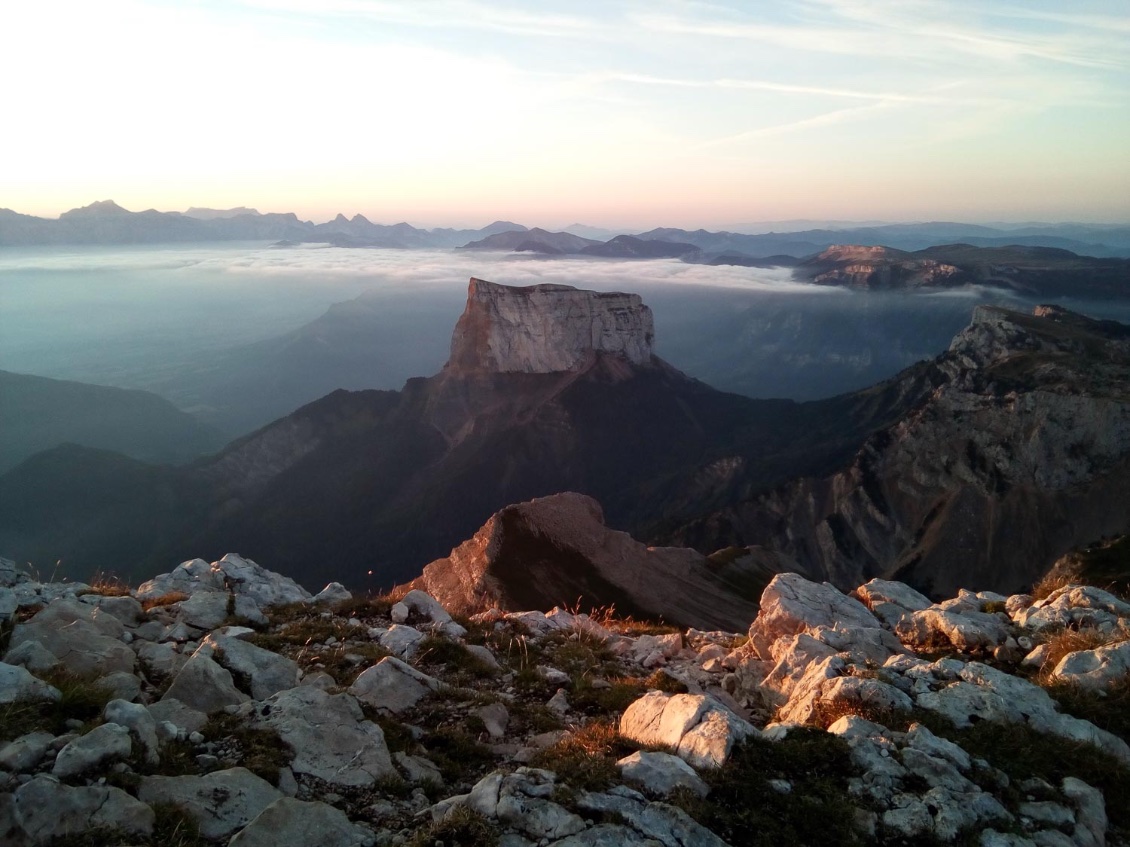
547, 328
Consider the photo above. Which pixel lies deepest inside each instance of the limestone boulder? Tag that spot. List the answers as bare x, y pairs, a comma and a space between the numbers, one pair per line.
661, 773
261, 671
17, 684
43, 808
289, 821
328, 734
25, 752
698, 727
791, 604
1096, 669
140, 723
221, 802
393, 686
106, 743
84, 639
204, 685
968, 631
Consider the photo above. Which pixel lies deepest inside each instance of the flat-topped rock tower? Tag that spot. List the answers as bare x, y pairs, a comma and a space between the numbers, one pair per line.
547, 328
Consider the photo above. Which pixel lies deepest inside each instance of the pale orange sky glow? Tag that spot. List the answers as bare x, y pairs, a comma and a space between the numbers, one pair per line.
458, 112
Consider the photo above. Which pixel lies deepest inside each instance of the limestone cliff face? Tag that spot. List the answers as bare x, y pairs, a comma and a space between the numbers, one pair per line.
1019, 454
547, 329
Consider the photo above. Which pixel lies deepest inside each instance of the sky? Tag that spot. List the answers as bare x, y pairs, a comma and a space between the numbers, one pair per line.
617, 114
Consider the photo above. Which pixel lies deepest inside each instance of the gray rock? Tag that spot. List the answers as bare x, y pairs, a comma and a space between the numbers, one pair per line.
335, 592
1047, 813
607, 835
25, 752
102, 744
205, 686
698, 727
220, 802
402, 641
293, 822
495, 718
1096, 669
418, 769
966, 631
161, 659
393, 686
661, 773
205, 609
125, 608
667, 824
484, 655
17, 684
42, 809
33, 656
265, 672
1090, 812
121, 685
792, 604
138, 720
426, 606
329, 736
181, 715
84, 639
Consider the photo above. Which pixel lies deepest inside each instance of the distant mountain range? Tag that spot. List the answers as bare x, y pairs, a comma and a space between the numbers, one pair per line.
105, 222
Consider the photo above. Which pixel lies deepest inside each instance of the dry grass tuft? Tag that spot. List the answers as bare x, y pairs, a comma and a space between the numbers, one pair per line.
168, 599
1071, 641
108, 585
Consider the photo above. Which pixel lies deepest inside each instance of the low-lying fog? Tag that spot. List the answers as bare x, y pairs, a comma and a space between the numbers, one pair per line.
241, 334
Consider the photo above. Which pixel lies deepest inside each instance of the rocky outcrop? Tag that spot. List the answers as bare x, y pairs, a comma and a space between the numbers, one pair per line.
556, 551
1018, 455
547, 328
330, 743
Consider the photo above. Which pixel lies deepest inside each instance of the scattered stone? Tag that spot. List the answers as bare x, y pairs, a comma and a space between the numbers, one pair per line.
290, 821
220, 802
495, 718
661, 773
205, 686
264, 672
102, 744
329, 736
698, 727
418, 769
393, 686
139, 721
335, 592
25, 752
402, 641
43, 808
17, 683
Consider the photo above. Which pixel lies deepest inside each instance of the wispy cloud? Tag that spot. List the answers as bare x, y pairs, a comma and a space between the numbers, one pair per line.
442, 14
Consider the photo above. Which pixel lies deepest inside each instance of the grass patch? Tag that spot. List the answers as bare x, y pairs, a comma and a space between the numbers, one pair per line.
585, 759
458, 755
742, 809
370, 606
261, 751
461, 664
1104, 564
167, 599
108, 585
82, 699
463, 827
1109, 710
1071, 641
172, 827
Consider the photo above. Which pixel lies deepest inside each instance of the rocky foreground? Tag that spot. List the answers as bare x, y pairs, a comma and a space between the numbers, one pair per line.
223, 704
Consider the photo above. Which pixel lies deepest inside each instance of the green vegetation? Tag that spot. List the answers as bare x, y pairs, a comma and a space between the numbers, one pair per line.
585, 759
458, 755
82, 699
261, 751
463, 827
742, 808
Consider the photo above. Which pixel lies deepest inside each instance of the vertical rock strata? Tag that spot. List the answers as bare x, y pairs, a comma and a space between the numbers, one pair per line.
547, 328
